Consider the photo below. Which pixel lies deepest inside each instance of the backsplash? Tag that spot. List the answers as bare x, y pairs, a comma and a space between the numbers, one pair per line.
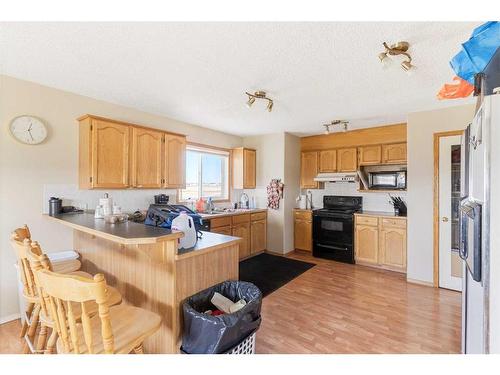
129, 200
371, 201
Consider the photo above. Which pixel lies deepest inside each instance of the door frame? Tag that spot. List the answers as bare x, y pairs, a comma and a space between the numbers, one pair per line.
437, 137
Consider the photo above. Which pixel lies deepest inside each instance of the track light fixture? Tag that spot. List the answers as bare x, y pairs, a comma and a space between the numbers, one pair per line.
259, 95
342, 123
399, 48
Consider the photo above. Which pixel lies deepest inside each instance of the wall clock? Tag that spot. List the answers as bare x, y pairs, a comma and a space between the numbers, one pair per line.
29, 130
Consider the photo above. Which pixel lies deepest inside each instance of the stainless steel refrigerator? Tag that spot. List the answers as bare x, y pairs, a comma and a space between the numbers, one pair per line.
479, 219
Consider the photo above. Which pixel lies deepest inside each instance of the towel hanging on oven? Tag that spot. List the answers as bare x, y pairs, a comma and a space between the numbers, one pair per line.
274, 193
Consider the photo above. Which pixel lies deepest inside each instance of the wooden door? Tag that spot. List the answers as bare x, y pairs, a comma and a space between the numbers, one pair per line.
249, 168
309, 170
146, 158
110, 155
303, 234
243, 231
347, 160
258, 236
222, 230
328, 161
394, 154
174, 173
393, 248
366, 244
370, 155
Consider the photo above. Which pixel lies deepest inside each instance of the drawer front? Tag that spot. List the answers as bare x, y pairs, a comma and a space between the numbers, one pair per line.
366, 220
303, 215
237, 219
222, 230
258, 216
395, 223
220, 222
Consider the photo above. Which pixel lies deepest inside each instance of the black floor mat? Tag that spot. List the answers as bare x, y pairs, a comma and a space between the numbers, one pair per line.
271, 272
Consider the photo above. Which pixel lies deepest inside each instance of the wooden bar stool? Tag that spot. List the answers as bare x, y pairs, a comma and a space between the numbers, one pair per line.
117, 329
37, 261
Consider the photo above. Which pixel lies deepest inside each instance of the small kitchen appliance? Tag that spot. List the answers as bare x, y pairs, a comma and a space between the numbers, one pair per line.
387, 180
161, 215
161, 199
55, 206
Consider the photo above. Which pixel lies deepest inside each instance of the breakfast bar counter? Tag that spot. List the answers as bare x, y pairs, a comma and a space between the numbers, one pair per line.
146, 266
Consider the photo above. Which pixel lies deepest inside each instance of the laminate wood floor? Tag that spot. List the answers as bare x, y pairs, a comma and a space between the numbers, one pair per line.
342, 308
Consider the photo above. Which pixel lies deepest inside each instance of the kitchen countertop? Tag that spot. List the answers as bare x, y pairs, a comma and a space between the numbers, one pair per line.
233, 213
123, 233
209, 241
379, 213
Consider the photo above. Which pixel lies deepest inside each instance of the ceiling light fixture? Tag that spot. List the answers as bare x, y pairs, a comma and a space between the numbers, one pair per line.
259, 95
342, 123
399, 48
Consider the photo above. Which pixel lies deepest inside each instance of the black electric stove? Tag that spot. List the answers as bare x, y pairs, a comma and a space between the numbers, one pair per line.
333, 228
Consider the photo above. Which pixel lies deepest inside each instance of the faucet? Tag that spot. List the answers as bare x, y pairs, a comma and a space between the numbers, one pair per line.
210, 205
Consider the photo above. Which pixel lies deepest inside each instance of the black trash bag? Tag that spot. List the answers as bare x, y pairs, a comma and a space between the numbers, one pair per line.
207, 334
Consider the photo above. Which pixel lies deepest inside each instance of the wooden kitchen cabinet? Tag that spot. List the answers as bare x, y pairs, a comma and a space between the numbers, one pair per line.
243, 231
347, 159
328, 161
174, 167
103, 154
381, 242
244, 168
393, 248
222, 230
118, 155
146, 161
309, 168
370, 155
366, 243
303, 230
394, 153
258, 236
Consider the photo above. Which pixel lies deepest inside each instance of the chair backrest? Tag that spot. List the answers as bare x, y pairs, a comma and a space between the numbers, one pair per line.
20, 241
60, 292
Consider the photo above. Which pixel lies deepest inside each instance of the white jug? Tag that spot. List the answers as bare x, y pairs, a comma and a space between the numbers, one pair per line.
185, 223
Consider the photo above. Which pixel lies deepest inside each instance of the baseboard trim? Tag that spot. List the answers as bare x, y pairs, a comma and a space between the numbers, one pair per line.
420, 282
9, 318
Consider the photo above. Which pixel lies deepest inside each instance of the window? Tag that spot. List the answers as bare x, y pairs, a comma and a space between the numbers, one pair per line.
207, 174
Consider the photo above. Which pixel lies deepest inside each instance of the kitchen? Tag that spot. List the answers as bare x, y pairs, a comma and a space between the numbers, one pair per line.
339, 218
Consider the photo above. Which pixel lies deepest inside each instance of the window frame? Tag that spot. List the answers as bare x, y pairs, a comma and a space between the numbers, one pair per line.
216, 151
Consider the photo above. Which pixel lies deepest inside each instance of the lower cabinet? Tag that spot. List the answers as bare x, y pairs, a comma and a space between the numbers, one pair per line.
252, 228
366, 240
381, 242
303, 230
243, 231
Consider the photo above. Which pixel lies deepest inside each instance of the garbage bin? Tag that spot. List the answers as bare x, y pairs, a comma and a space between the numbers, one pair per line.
208, 334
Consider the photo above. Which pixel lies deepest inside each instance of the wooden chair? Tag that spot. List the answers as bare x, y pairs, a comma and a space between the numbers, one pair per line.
116, 329
37, 261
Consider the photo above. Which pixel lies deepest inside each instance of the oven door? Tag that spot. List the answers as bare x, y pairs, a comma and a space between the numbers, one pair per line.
333, 237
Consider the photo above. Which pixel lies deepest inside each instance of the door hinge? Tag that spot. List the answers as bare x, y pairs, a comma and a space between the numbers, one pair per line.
90, 179
91, 127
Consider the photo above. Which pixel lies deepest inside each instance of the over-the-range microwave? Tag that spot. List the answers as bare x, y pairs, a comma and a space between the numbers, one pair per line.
387, 180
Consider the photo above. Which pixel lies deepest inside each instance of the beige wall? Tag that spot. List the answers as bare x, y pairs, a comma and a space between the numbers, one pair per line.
25, 169
278, 156
270, 164
421, 129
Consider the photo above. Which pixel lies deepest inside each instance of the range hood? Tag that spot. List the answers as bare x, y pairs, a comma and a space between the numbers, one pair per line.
336, 177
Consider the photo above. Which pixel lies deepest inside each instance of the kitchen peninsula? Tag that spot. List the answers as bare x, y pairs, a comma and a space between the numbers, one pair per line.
144, 264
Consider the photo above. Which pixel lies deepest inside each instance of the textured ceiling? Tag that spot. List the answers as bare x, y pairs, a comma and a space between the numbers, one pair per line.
198, 72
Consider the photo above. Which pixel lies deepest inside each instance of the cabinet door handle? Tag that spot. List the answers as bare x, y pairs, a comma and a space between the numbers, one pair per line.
445, 219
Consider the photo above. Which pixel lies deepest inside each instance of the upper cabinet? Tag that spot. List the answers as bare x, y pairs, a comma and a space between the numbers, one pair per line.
309, 167
347, 159
244, 168
394, 153
118, 155
370, 155
328, 161
146, 167
109, 155
174, 161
